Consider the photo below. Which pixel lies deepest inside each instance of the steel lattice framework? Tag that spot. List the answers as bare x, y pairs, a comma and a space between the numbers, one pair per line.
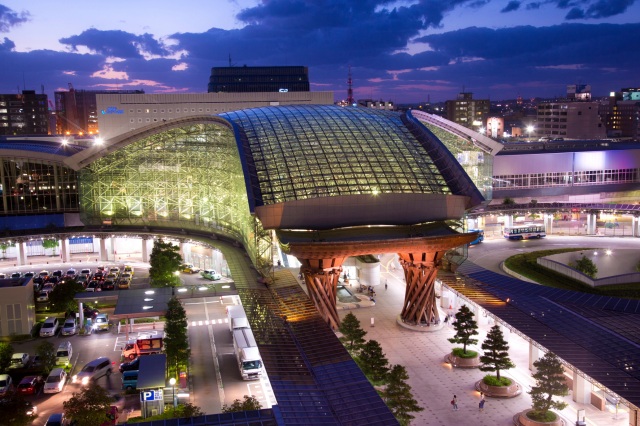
188, 177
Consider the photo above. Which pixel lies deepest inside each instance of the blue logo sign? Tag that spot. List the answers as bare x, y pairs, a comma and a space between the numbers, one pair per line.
112, 110
151, 395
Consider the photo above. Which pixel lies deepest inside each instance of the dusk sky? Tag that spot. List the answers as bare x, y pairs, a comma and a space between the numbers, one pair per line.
402, 51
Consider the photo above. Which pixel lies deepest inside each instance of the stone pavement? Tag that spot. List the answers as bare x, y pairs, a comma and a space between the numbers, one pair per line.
434, 382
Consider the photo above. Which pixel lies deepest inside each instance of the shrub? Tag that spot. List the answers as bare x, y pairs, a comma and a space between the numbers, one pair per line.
492, 380
460, 353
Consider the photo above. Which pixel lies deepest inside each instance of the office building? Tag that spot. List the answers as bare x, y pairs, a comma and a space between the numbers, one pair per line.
259, 79
621, 114
24, 114
569, 120
468, 112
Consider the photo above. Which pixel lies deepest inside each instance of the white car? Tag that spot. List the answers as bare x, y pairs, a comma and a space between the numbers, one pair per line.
49, 327
19, 360
6, 384
43, 296
211, 274
55, 381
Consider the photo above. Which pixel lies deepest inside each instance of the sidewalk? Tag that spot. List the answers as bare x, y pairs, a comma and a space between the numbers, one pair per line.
434, 382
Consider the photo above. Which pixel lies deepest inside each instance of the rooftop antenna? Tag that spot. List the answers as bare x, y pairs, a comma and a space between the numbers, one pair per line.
350, 99
230, 63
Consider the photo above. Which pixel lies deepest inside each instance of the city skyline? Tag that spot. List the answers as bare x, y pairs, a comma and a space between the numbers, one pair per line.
403, 51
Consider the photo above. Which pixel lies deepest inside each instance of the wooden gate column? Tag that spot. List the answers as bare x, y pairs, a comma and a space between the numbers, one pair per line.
322, 283
420, 271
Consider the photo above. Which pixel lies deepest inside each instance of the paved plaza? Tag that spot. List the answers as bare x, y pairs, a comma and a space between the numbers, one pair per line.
434, 382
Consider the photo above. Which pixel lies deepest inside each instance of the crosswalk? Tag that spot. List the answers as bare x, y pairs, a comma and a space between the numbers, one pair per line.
213, 321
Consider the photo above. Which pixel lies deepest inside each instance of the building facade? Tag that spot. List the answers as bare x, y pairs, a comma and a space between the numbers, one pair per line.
122, 113
258, 79
570, 120
24, 114
621, 114
77, 110
468, 112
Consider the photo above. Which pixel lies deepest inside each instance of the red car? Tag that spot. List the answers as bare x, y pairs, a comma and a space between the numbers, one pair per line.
30, 385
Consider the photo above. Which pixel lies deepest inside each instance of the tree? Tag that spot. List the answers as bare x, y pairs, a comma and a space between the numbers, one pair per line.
14, 409
373, 362
4, 246
6, 351
352, 332
508, 201
398, 397
46, 351
62, 297
164, 260
587, 267
50, 243
249, 403
496, 352
89, 406
176, 340
549, 379
465, 327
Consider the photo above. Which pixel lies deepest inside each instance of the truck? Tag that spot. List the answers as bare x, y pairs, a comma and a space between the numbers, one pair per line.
247, 354
237, 317
147, 345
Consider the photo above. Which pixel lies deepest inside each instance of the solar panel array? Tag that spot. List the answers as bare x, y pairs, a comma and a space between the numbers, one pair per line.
598, 335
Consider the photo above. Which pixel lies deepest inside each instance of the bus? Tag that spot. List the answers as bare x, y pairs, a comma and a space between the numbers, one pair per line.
479, 238
524, 232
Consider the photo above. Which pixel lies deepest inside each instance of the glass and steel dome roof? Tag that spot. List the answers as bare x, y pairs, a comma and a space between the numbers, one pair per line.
313, 151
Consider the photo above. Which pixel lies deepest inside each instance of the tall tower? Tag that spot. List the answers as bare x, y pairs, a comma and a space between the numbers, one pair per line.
350, 99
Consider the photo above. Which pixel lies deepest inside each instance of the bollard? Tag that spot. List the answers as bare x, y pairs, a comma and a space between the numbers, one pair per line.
372, 325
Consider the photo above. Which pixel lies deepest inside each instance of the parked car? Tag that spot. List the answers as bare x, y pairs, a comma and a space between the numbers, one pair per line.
43, 295
30, 385
211, 274
94, 286
56, 419
189, 268
123, 284
55, 381
86, 271
126, 276
19, 360
57, 273
108, 285
114, 270
36, 362
128, 269
82, 279
53, 280
6, 384
131, 365
16, 276
3, 275
98, 276
70, 327
29, 274
71, 273
90, 312
111, 276
93, 370
49, 327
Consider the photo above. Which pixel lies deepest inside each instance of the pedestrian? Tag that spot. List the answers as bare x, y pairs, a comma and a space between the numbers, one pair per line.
481, 405
454, 403
385, 284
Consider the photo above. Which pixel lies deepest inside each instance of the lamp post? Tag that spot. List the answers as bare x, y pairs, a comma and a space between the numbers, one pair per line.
530, 130
172, 382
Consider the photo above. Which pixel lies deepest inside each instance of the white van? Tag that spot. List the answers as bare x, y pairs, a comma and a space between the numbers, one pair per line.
237, 317
64, 353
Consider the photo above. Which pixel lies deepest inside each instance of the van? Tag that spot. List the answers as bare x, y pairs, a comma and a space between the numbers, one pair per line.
130, 380
49, 327
64, 353
93, 371
101, 322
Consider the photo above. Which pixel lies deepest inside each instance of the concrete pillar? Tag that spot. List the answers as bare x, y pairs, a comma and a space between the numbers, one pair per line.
370, 273
112, 249
548, 223
508, 221
534, 355
145, 249
183, 250
65, 252
634, 226
21, 250
103, 250
581, 389
591, 223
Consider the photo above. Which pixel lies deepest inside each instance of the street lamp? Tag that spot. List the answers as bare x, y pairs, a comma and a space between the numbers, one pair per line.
172, 382
530, 130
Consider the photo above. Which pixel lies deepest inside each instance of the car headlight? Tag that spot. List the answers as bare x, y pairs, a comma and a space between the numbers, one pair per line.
85, 380
75, 378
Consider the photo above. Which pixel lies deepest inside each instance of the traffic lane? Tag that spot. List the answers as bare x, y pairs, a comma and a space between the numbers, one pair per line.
206, 388
197, 279
491, 253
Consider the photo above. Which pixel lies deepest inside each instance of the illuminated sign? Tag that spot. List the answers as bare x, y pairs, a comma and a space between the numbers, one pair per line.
152, 395
112, 110
283, 90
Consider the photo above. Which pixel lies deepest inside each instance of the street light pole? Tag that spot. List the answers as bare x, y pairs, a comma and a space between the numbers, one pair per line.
172, 382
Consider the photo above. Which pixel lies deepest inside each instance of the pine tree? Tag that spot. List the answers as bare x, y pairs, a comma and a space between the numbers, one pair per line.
549, 382
465, 327
398, 397
176, 340
496, 352
373, 362
352, 332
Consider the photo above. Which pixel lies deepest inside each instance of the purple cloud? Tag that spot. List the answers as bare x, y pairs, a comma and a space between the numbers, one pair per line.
9, 18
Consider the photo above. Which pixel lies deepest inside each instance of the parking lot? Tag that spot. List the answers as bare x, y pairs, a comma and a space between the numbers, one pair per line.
214, 374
